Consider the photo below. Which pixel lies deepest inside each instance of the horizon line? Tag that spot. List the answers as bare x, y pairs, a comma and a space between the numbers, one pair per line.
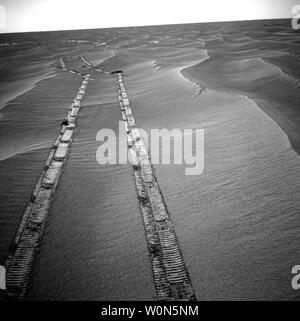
141, 26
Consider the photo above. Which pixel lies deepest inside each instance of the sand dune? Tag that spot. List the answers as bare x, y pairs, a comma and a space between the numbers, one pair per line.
237, 223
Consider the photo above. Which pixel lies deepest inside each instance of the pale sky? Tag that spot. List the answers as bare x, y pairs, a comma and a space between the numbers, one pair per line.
41, 15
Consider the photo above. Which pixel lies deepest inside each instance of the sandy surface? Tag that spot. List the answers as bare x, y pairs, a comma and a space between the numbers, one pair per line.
237, 223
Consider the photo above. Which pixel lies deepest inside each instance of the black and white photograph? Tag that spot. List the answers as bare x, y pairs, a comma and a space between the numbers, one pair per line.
149, 152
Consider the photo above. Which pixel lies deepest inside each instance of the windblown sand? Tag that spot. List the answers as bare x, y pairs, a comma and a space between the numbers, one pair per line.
237, 223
